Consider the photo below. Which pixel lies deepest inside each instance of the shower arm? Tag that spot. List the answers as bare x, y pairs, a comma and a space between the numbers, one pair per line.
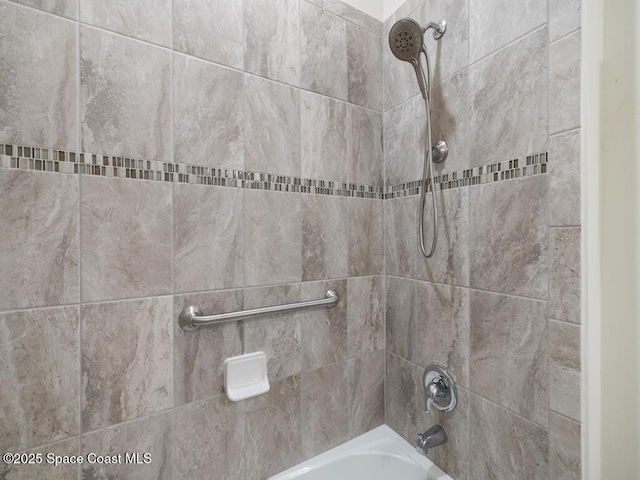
438, 29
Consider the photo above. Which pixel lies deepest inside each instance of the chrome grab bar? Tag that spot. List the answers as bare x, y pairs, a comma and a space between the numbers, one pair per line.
191, 318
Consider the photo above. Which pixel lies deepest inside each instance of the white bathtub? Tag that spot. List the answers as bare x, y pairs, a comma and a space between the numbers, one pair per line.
380, 454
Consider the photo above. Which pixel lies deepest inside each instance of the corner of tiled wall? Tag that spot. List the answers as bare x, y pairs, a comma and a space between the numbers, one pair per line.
222, 154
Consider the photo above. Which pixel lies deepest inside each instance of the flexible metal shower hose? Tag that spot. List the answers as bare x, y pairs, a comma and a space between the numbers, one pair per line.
428, 165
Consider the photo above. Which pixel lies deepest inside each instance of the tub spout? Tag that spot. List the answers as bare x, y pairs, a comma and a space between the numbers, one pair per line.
433, 437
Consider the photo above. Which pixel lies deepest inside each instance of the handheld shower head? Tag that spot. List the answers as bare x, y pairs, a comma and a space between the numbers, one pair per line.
406, 41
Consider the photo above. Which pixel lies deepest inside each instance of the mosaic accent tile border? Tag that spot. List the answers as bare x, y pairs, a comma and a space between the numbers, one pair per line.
535, 164
61, 161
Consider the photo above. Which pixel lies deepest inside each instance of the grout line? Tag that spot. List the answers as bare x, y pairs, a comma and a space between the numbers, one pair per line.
563, 37
563, 416
510, 44
16, 3
79, 144
180, 294
564, 322
472, 289
564, 132
549, 260
174, 463
468, 263
515, 414
122, 35
163, 411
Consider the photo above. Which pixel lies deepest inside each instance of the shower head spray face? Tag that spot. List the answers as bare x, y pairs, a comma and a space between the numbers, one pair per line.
406, 41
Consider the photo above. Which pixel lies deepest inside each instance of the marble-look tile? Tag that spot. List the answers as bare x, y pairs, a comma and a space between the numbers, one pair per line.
564, 275
198, 356
127, 360
39, 77
364, 152
319, 3
450, 54
401, 317
138, 213
364, 68
509, 100
65, 8
148, 20
152, 435
503, 445
564, 448
400, 83
207, 133
274, 423
272, 39
400, 235
442, 329
453, 456
353, 15
508, 358
323, 52
564, 83
565, 370
212, 30
323, 137
324, 237
366, 245
272, 227
450, 262
564, 179
365, 327
209, 437
408, 8
325, 409
449, 122
401, 164
208, 244
508, 236
366, 393
564, 17
272, 127
30, 471
39, 352
402, 381
278, 336
116, 100
495, 23
323, 330
39, 252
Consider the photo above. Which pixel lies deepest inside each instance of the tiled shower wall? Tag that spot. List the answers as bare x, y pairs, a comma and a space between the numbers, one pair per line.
499, 303
158, 154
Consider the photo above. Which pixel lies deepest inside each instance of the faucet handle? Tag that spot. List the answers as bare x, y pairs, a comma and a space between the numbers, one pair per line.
437, 388
440, 391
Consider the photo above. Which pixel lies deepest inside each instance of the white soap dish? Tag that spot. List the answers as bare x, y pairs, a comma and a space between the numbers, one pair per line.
245, 376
